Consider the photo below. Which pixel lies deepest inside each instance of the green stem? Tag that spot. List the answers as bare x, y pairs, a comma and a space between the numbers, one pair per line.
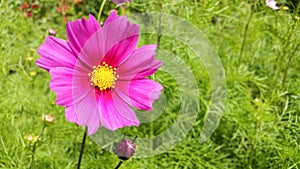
82, 148
100, 10
280, 58
151, 133
287, 66
35, 145
245, 35
119, 164
159, 32
254, 141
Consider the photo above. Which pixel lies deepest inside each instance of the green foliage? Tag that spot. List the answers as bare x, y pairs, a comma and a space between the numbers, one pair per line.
260, 127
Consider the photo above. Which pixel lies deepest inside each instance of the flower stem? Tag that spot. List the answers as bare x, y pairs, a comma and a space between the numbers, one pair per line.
100, 10
287, 66
159, 36
159, 31
119, 164
280, 58
245, 36
82, 148
35, 144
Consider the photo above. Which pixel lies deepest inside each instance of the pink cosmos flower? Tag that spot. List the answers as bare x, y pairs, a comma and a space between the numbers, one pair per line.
98, 73
117, 2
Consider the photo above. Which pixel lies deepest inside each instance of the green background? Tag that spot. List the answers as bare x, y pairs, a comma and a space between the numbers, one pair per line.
259, 49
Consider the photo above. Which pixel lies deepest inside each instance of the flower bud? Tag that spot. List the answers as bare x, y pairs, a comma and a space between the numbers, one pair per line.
29, 138
32, 50
124, 149
32, 73
48, 118
51, 32
286, 8
29, 58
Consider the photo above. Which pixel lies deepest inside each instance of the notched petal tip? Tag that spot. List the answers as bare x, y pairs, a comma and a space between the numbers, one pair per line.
55, 52
113, 15
79, 31
62, 87
116, 127
92, 131
92, 18
113, 12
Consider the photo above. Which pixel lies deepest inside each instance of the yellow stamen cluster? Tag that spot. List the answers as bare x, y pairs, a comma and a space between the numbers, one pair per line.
103, 76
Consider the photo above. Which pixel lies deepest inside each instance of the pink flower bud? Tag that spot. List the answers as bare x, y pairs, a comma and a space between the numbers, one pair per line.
48, 118
29, 138
52, 32
124, 149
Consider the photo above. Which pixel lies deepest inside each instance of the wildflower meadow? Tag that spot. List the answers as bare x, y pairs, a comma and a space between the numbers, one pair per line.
150, 84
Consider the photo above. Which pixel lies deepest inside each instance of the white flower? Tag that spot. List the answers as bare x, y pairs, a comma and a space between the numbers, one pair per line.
272, 4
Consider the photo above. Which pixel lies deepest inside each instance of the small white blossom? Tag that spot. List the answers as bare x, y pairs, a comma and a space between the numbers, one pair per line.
272, 4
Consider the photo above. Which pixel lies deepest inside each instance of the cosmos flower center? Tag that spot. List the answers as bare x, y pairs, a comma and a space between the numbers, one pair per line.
103, 76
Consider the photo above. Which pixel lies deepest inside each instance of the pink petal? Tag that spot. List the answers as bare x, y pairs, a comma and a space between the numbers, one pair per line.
139, 93
87, 112
61, 84
120, 51
117, 40
112, 16
73, 90
141, 63
55, 52
115, 113
91, 53
117, 2
79, 31
118, 30
85, 96
70, 114
81, 84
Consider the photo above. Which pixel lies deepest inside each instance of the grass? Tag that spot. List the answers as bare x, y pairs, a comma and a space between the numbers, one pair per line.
260, 127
